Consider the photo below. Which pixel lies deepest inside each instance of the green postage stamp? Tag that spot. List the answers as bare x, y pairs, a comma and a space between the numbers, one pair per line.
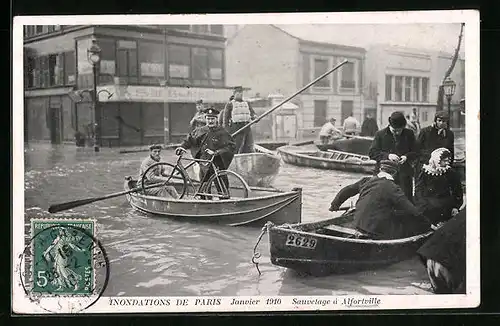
64, 260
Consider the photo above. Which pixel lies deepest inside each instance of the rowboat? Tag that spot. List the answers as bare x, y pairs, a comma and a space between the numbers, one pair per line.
261, 205
259, 169
330, 160
321, 249
354, 144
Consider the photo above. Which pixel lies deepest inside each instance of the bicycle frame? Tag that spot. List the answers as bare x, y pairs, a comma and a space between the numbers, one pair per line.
210, 162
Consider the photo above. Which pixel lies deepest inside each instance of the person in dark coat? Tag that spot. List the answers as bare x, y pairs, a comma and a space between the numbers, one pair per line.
207, 141
438, 190
369, 127
397, 144
444, 253
237, 114
382, 211
435, 136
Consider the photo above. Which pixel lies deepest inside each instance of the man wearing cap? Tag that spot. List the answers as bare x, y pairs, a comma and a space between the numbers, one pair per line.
382, 211
156, 175
237, 114
207, 141
436, 136
199, 118
329, 132
397, 144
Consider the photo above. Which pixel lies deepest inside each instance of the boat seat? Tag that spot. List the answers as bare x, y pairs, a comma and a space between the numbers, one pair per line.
348, 232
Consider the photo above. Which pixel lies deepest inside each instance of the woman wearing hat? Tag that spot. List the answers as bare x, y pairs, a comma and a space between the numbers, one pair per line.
397, 144
438, 190
435, 136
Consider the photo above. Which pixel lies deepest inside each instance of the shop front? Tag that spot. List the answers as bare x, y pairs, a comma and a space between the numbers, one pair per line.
141, 115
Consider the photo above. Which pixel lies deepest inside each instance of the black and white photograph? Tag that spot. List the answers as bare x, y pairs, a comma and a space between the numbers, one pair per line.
257, 162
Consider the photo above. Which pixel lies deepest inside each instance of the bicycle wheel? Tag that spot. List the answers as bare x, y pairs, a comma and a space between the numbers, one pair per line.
176, 177
237, 185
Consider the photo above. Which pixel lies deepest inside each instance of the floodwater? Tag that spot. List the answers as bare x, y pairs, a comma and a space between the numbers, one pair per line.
154, 256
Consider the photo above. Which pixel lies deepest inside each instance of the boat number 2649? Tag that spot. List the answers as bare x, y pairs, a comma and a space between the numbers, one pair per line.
302, 242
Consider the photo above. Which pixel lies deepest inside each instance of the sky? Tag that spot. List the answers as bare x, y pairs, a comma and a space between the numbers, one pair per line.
440, 37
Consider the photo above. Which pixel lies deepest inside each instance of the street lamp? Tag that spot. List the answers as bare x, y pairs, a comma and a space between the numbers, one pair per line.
94, 57
449, 90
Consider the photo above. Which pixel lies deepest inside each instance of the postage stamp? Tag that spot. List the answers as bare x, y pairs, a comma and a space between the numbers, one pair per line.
246, 162
63, 262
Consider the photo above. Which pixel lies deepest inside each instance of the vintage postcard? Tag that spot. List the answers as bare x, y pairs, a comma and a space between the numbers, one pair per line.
246, 162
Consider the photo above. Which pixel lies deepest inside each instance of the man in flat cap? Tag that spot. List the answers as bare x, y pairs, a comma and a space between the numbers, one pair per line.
207, 141
397, 144
199, 117
156, 175
436, 136
382, 211
237, 114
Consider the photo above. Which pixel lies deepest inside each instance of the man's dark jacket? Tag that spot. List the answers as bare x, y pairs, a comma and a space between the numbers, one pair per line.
382, 209
428, 140
384, 144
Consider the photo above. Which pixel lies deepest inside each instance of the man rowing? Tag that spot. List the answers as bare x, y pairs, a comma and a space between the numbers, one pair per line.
237, 114
329, 132
156, 175
382, 211
207, 141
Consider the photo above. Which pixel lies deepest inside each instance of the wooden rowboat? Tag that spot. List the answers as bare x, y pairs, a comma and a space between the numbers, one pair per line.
259, 169
355, 144
321, 249
330, 160
262, 204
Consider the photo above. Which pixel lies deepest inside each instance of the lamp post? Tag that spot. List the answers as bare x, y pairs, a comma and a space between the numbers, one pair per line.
449, 90
94, 57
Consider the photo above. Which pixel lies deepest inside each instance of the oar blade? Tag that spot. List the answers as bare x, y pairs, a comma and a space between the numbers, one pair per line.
72, 204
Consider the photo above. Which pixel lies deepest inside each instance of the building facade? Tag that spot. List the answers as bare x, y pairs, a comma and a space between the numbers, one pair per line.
269, 59
400, 79
149, 78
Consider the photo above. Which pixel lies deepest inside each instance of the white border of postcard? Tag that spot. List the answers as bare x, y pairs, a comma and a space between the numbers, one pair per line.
21, 304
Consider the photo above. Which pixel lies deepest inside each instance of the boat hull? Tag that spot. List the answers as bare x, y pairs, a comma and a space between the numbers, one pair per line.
308, 159
262, 206
357, 145
335, 254
259, 169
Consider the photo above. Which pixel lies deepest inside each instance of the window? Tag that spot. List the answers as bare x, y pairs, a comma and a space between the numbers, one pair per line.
44, 72
319, 113
39, 29
50, 28
416, 89
69, 68
217, 29
127, 60
200, 28
199, 63
399, 89
408, 89
107, 66
306, 69
179, 61
388, 87
347, 76
151, 59
425, 116
425, 89
30, 66
320, 67
215, 60
56, 69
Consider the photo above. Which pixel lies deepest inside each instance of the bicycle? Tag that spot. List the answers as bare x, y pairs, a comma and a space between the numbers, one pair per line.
178, 172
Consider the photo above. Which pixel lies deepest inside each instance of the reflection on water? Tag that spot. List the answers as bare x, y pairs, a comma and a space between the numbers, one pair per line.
156, 256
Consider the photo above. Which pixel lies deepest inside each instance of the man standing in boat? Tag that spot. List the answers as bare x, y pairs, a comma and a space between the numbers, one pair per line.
207, 141
156, 175
351, 125
383, 212
237, 114
329, 132
369, 127
397, 144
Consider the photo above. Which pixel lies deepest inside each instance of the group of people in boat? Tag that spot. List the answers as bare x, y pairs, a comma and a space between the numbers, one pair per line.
414, 190
211, 136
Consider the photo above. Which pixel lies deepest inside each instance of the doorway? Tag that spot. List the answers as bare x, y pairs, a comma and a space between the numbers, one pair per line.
346, 108
55, 125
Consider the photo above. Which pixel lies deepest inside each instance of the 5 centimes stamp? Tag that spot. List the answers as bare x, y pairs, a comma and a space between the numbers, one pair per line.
64, 268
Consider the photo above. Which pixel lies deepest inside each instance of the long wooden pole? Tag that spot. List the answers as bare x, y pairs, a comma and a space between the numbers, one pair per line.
289, 98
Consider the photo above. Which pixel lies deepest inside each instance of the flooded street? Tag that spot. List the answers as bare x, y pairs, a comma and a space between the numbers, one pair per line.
157, 256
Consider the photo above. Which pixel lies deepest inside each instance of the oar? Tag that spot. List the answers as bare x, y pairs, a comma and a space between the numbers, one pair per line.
289, 98
76, 203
